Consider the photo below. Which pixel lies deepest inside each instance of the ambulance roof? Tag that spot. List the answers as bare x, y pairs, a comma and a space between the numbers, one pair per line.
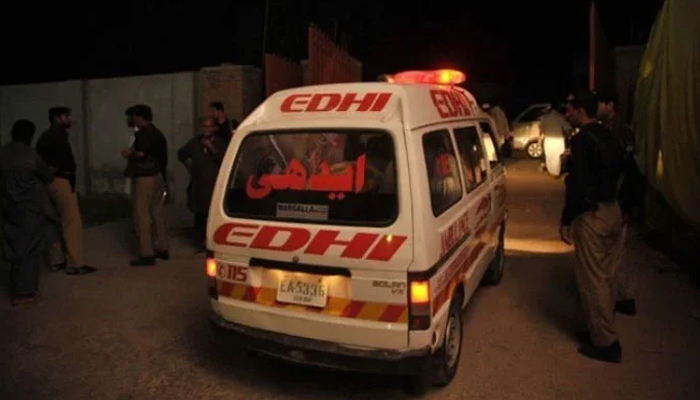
417, 104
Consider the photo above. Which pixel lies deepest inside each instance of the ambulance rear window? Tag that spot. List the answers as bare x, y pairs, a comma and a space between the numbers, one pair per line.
344, 177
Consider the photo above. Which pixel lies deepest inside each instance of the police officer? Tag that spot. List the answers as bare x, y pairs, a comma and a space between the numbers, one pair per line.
592, 222
147, 163
55, 149
607, 114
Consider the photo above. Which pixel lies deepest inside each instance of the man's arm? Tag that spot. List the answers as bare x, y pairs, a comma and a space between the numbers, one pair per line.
576, 180
47, 148
142, 145
219, 150
184, 155
43, 171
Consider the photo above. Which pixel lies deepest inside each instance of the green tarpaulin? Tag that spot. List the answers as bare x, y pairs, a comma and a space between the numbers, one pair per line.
667, 110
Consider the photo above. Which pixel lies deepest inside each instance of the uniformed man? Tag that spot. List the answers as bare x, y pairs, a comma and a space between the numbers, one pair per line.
607, 114
53, 146
592, 222
147, 163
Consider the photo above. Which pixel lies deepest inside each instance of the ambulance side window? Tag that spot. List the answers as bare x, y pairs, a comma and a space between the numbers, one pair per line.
443, 175
490, 143
472, 156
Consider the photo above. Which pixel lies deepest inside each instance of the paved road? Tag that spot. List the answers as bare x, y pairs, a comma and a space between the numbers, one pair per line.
126, 333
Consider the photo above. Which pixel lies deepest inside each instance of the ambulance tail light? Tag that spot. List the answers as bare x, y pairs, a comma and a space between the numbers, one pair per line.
437, 77
419, 305
211, 270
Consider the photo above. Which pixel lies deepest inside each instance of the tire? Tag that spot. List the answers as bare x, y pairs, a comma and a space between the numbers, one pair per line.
534, 150
442, 366
447, 358
494, 274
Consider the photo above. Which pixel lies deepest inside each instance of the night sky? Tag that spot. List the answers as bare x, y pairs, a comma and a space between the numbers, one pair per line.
527, 46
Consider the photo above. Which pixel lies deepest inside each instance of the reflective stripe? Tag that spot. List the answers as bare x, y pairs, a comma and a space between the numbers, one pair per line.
336, 306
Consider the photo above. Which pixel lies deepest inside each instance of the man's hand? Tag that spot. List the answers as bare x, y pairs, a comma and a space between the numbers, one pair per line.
565, 233
126, 153
207, 142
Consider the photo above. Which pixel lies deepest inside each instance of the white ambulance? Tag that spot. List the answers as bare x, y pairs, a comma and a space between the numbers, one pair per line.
351, 223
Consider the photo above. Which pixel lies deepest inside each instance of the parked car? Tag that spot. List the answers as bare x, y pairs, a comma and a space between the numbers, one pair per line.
525, 130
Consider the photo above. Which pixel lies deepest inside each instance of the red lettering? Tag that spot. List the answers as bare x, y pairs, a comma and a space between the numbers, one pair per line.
466, 105
240, 273
226, 233
450, 104
325, 102
296, 240
317, 99
363, 104
439, 103
295, 99
387, 246
370, 102
456, 103
381, 102
354, 248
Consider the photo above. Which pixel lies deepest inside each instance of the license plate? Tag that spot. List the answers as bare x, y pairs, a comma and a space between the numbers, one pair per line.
303, 290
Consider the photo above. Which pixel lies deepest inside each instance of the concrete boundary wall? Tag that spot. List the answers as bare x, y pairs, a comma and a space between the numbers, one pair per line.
98, 105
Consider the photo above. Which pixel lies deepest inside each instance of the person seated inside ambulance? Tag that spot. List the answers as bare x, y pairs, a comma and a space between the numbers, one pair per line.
445, 187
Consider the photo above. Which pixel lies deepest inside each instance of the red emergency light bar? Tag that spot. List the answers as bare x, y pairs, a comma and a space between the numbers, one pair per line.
437, 77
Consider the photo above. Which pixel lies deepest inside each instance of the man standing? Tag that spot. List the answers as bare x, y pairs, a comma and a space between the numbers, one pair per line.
202, 157
53, 146
554, 128
23, 180
608, 115
592, 221
147, 164
226, 127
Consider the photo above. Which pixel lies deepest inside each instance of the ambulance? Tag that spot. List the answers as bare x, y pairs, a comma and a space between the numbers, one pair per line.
352, 223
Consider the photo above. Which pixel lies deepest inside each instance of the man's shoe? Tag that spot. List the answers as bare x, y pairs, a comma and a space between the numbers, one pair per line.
627, 307
611, 354
19, 299
163, 255
84, 270
57, 267
143, 262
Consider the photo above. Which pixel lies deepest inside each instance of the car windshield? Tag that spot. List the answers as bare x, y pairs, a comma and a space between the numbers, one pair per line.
344, 177
532, 114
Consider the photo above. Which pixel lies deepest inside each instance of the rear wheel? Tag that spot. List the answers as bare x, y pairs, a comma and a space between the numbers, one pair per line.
442, 366
494, 274
534, 150
449, 355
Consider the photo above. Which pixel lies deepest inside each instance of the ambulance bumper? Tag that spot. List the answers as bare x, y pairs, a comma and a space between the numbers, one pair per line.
326, 355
